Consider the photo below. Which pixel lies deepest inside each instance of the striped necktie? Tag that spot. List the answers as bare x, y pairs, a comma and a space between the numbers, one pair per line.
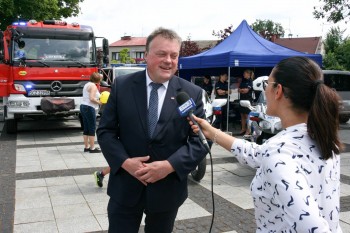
153, 108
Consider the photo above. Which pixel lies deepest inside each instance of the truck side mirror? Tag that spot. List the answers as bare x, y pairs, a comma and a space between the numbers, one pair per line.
105, 47
2, 55
106, 60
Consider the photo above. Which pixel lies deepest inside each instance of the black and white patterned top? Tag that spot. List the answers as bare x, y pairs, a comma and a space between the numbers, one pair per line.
294, 189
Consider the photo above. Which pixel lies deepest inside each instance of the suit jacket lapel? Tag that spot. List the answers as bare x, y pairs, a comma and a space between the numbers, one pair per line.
139, 92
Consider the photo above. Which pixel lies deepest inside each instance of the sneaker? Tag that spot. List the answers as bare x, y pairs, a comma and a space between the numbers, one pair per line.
247, 136
96, 150
86, 149
99, 179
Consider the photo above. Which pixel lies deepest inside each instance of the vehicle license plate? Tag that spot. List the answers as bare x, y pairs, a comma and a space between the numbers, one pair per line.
39, 93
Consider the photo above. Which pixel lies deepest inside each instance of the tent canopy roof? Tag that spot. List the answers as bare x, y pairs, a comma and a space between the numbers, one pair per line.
243, 48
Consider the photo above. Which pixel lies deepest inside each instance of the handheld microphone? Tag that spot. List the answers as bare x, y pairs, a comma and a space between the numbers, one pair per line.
186, 107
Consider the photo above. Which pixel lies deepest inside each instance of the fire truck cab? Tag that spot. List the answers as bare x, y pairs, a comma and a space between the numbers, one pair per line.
44, 67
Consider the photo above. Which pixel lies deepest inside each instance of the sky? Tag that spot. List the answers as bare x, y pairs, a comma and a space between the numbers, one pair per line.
197, 19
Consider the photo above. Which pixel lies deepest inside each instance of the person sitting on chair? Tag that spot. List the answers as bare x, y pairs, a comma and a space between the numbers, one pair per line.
20, 52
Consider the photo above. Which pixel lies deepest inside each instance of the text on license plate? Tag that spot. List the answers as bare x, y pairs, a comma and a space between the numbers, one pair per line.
39, 93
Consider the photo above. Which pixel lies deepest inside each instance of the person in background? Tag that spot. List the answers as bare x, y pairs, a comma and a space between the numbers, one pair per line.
20, 52
245, 91
221, 92
100, 175
149, 147
207, 85
90, 103
297, 181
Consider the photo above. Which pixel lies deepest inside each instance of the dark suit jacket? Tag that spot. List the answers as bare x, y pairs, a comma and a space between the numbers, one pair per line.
123, 133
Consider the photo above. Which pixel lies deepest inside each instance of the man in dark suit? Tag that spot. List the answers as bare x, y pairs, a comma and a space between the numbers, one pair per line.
149, 169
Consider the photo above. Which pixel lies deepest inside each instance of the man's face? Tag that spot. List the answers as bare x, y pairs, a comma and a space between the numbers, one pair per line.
246, 75
223, 77
162, 59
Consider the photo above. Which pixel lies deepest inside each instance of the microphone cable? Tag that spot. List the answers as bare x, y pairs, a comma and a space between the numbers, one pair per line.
212, 189
186, 108
211, 184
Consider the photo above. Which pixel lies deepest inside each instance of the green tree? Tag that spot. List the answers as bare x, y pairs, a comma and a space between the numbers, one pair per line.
337, 50
333, 10
11, 10
124, 56
333, 39
268, 28
343, 54
330, 62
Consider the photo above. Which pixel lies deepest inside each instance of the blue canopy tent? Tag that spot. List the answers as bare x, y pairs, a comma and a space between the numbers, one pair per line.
243, 49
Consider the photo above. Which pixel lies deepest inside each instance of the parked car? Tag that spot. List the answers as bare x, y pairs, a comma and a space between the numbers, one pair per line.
111, 73
340, 81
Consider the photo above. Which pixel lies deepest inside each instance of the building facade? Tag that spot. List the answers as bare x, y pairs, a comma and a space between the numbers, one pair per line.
136, 46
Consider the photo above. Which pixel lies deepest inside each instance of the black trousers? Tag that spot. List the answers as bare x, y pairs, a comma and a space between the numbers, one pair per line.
123, 219
221, 120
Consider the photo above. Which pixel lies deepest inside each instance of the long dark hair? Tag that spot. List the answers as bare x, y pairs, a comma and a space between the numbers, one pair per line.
302, 82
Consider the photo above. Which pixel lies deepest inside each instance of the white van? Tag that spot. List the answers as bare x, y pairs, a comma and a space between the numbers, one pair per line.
110, 73
340, 81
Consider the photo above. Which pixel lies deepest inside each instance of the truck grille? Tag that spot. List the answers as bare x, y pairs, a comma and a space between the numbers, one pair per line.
55, 88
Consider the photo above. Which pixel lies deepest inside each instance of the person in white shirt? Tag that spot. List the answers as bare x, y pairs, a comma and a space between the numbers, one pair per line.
297, 181
88, 107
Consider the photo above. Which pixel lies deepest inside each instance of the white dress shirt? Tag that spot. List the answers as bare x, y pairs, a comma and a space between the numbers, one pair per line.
161, 92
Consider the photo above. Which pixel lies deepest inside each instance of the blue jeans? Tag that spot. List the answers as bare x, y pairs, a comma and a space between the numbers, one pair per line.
88, 115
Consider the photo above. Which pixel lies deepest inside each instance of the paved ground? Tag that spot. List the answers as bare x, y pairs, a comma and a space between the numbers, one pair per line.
47, 186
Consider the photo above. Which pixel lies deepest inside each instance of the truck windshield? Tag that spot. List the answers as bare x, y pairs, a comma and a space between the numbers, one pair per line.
50, 50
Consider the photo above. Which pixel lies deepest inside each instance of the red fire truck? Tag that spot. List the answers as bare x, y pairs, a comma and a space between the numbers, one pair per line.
44, 67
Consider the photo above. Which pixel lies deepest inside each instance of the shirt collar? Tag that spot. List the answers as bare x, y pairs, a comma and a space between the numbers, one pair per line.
149, 80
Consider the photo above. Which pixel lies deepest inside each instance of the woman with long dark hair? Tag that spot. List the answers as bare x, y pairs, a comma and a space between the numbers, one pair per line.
297, 181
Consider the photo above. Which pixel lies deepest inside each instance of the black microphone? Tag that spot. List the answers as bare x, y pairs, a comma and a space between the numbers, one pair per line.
186, 106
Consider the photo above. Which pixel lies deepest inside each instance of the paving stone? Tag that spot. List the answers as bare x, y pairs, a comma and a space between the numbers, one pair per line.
66, 199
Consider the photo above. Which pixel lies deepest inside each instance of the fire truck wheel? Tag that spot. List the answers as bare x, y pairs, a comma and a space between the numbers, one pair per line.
343, 119
81, 121
11, 126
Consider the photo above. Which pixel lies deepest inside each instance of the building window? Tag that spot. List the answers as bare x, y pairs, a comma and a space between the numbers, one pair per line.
140, 55
115, 56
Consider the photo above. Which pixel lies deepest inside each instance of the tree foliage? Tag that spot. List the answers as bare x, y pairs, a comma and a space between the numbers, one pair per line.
333, 10
124, 56
333, 39
223, 34
11, 10
337, 50
265, 28
189, 48
343, 54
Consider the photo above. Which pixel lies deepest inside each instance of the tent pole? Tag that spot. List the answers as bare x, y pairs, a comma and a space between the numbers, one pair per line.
228, 98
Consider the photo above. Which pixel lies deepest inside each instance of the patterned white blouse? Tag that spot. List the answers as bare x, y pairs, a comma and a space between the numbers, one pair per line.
293, 190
